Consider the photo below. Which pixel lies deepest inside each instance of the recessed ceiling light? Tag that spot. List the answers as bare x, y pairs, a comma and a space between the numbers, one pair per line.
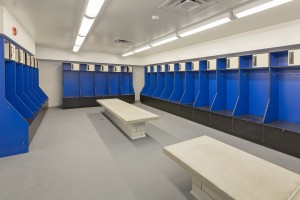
155, 17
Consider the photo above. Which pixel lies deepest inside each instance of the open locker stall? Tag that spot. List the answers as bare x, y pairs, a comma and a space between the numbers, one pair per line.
23, 104
227, 94
253, 98
191, 90
179, 86
207, 91
282, 121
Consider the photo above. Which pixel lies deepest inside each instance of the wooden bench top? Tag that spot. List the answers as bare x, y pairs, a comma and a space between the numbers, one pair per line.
238, 174
127, 112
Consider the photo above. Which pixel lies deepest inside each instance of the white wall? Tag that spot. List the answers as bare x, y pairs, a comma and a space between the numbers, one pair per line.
68, 55
51, 81
274, 36
7, 21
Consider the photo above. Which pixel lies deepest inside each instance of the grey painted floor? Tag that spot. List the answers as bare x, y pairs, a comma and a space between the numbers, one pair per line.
80, 155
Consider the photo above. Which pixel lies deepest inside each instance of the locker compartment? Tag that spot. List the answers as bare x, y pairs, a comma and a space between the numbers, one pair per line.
155, 68
248, 129
129, 69
75, 67
162, 68
233, 63
104, 68
32, 61
202, 116
20, 56
171, 68
148, 69
117, 69
10, 51
212, 64
90, 68
294, 57
261, 60
28, 59
182, 67
195, 66
187, 112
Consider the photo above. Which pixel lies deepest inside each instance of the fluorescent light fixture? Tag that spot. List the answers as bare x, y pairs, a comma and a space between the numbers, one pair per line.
141, 49
205, 25
79, 40
93, 8
128, 53
164, 40
258, 6
76, 48
86, 25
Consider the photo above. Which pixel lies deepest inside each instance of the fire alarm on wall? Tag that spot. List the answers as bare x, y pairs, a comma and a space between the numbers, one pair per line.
14, 30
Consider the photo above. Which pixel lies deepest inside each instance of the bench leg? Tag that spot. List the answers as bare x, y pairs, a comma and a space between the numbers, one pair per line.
204, 191
134, 131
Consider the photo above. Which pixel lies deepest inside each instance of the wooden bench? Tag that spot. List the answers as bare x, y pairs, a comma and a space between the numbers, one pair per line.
222, 172
129, 118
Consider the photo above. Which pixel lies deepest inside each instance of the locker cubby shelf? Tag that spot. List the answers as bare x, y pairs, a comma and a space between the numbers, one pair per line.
83, 86
23, 103
169, 85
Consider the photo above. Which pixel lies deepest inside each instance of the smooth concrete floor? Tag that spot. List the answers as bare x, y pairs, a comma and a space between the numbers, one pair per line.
79, 154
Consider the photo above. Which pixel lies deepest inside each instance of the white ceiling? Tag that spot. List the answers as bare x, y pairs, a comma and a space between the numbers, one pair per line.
55, 23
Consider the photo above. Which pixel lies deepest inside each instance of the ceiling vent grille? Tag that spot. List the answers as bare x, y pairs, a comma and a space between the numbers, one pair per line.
122, 42
188, 7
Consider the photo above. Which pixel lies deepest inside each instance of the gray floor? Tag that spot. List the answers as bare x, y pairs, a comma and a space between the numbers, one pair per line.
80, 155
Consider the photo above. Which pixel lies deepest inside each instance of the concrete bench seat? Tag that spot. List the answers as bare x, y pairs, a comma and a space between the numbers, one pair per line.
222, 172
128, 117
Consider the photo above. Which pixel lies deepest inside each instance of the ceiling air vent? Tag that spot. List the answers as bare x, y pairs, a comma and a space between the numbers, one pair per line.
188, 7
122, 42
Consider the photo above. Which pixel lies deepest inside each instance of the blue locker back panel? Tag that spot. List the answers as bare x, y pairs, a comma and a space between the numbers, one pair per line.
289, 95
114, 84
71, 84
153, 84
212, 85
258, 91
169, 86
160, 85
101, 87
87, 84
178, 87
147, 83
196, 84
232, 89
